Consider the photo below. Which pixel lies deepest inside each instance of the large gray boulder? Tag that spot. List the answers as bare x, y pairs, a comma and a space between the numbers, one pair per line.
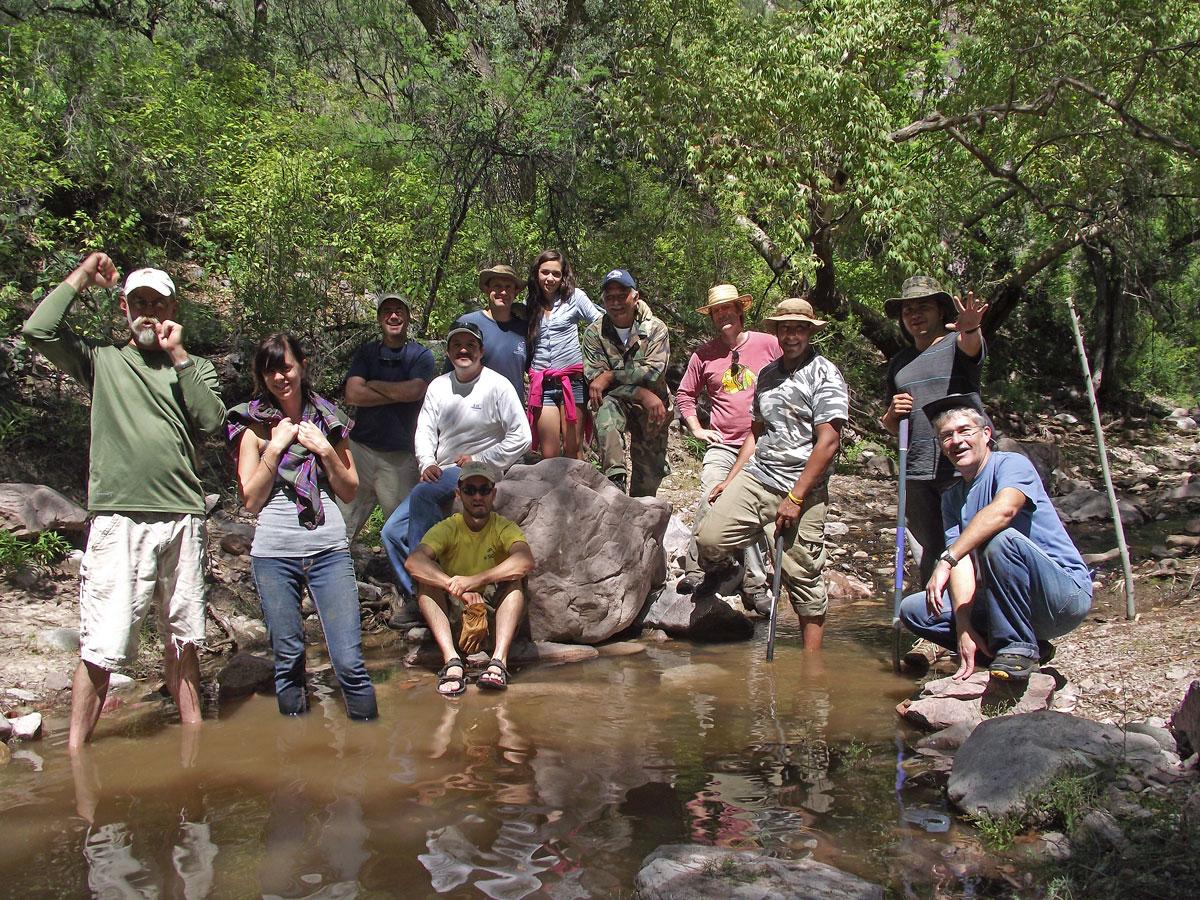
29, 509
599, 553
1044, 455
1008, 760
691, 871
1086, 505
700, 617
245, 674
1186, 721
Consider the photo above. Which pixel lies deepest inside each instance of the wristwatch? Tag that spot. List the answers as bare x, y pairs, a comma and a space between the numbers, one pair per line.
948, 557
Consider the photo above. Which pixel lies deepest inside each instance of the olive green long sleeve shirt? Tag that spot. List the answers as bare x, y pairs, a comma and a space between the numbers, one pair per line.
146, 416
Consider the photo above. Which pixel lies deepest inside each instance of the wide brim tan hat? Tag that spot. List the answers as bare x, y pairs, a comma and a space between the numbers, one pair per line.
916, 288
720, 294
487, 275
793, 309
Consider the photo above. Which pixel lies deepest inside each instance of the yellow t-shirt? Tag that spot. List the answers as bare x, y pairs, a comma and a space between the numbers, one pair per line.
461, 551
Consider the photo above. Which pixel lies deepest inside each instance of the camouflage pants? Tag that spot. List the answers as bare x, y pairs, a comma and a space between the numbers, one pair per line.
647, 445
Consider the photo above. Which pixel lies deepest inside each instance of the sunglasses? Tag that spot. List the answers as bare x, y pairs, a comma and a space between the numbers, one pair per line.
949, 437
476, 490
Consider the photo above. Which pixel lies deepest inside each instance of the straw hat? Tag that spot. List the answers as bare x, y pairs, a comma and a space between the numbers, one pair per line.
724, 293
916, 288
500, 271
793, 309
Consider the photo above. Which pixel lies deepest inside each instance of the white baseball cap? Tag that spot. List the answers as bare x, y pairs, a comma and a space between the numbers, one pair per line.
155, 279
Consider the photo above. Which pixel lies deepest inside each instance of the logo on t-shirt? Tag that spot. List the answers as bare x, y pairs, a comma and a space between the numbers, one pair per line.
737, 379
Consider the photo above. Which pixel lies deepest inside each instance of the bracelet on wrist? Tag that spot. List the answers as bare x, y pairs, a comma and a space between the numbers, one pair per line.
795, 499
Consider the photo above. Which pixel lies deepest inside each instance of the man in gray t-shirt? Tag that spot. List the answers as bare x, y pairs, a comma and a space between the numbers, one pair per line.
779, 481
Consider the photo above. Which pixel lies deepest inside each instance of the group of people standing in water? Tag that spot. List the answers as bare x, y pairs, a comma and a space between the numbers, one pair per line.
1001, 576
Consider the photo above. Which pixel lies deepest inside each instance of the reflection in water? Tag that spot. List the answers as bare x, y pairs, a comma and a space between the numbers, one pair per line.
559, 787
133, 860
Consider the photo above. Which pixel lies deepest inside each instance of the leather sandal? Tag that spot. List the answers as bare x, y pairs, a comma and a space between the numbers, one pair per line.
445, 678
493, 681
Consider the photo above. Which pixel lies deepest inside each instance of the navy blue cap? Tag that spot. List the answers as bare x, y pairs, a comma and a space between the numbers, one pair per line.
465, 328
621, 276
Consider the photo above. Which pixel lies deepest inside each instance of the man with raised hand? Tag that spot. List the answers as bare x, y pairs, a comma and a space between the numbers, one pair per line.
386, 381
726, 370
470, 413
479, 558
779, 483
1010, 577
625, 355
150, 401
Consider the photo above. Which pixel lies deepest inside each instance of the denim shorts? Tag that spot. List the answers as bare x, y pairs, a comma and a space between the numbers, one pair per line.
552, 392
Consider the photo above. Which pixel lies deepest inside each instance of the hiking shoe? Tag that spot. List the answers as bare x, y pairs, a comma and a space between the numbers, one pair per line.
923, 655
620, 481
688, 584
762, 605
405, 614
1010, 667
1046, 651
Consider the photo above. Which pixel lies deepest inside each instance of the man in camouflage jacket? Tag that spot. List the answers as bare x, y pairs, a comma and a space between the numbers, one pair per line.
625, 361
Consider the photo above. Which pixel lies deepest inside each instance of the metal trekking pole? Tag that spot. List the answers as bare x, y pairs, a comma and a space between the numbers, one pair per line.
776, 586
899, 594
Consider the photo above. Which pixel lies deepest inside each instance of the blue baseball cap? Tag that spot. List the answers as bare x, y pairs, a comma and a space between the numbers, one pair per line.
621, 276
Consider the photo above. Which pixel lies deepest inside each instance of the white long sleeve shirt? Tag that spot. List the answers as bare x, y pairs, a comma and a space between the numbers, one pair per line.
482, 419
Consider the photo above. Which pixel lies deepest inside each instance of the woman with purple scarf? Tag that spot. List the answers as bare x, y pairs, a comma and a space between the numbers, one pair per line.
291, 452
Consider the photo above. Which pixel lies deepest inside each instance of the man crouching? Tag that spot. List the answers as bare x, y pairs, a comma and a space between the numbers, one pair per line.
474, 556
1010, 578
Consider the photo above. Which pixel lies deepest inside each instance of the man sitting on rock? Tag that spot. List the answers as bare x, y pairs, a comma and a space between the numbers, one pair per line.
469, 414
478, 557
1010, 578
625, 356
779, 482
150, 401
726, 370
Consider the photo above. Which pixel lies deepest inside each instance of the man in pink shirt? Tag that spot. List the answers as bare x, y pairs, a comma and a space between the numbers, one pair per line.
726, 369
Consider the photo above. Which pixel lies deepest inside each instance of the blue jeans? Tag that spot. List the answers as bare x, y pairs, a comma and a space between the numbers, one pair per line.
329, 577
1022, 596
423, 508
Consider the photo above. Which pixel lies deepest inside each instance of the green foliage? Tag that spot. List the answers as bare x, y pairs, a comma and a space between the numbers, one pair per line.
1060, 805
18, 554
369, 535
693, 445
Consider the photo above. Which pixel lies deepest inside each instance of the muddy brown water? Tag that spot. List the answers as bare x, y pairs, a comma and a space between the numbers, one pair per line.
558, 788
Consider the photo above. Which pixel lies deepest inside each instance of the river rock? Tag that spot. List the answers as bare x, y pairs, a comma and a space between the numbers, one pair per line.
26, 728
840, 586
5, 729
700, 617
1185, 541
547, 652
949, 739
688, 675
676, 539
945, 702
29, 509
245, 674
598, 551
1185, 724
1188, 489
58, 640
1089, 505
1008, 759
695, 872
1044, 455
621, 648
236, 544
57, 681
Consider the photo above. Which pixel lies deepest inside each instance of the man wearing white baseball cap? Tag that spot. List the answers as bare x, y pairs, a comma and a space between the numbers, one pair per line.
150, 401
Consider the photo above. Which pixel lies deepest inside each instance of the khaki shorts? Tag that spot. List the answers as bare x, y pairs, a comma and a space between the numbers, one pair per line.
132, 561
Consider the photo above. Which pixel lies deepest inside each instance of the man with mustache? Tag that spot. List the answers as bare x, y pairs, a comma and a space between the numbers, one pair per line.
151, 399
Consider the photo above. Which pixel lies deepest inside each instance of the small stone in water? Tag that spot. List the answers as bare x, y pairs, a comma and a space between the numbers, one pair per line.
859, 554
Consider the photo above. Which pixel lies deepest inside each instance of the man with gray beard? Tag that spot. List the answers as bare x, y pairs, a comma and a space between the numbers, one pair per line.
150, 401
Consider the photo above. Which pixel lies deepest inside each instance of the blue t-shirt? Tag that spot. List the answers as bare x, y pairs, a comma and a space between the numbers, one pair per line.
1037, 519
391, 426
503, 348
